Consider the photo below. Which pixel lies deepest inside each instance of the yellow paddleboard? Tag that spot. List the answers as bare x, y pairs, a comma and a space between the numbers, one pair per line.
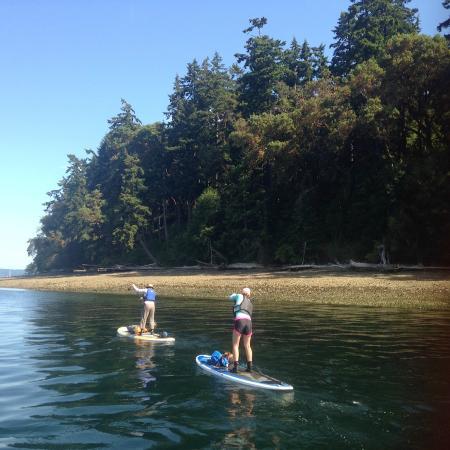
151, 337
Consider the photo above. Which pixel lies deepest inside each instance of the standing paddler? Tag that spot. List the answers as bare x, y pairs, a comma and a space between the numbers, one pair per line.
242, 311
149, 299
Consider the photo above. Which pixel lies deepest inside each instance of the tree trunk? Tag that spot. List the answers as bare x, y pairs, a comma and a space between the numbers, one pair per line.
146, 250
383, 258
304, 251
166, 234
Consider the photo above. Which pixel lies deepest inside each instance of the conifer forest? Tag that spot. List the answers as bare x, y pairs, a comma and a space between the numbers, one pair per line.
288, 156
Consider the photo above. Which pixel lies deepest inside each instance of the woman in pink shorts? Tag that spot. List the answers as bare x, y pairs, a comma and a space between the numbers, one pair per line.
242, 311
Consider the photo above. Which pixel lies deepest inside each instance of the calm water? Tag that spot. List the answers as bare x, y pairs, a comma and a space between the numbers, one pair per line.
363, 377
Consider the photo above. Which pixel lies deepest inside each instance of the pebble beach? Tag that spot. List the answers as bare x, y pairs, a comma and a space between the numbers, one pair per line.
418, 289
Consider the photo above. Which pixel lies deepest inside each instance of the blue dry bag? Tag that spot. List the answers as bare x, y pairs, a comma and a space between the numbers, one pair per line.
215, 358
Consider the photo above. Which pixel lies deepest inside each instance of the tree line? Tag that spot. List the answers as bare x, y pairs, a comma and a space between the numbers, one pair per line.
283, 158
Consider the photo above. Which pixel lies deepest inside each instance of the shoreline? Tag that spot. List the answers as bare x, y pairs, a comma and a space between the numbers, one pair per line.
422, 289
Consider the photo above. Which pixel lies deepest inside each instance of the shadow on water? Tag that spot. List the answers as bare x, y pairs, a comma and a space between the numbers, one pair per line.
363, 377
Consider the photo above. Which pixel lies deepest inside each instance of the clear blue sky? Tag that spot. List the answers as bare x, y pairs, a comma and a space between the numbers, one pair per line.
65, 65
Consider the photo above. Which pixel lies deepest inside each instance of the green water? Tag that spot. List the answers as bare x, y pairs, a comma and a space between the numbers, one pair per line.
364, 378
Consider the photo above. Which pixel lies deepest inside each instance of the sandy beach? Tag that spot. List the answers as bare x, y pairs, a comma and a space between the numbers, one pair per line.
403, 289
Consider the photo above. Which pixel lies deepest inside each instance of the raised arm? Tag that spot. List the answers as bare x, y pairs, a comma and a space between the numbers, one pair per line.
138, 290
236, 298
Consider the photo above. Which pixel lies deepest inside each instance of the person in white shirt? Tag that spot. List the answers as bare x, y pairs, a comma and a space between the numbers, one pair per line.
149, 298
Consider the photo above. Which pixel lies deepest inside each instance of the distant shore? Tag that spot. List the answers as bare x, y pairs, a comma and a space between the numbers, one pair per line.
405, 289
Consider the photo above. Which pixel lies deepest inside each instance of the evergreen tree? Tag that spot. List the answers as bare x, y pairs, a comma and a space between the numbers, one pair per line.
263, 68
73, 220
278, 161
200, 114
105, 173
304, 64
445, 23
149, 145
319, 62
131, 216
298, 60
122, 128
363, 31
415, 93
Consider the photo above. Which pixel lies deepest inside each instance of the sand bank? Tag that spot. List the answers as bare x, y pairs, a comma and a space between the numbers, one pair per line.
414, 289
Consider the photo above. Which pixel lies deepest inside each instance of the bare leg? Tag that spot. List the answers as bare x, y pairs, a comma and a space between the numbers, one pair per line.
235, 349
248, 350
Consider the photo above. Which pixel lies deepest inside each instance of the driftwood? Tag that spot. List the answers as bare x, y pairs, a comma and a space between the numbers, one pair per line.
201, 265
245, 266
420, 267
206, 264
116, 268
359, 266
362, 265
388, 267
300, 267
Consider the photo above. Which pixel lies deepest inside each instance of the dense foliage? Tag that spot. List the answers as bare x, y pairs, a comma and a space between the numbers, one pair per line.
282, 158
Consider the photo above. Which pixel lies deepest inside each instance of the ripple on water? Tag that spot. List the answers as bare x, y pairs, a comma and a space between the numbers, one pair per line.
363, 377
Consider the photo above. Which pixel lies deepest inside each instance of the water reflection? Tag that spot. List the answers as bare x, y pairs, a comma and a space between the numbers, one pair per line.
241, 403
145, 354
363, 377
240, 409
244, 408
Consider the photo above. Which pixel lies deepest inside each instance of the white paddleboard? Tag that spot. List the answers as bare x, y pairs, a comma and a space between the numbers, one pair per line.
154, 337
254, 379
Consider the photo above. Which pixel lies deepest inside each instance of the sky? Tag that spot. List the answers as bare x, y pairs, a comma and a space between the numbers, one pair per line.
65, 65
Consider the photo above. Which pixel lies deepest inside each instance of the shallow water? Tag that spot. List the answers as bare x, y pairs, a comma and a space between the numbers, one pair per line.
364, 378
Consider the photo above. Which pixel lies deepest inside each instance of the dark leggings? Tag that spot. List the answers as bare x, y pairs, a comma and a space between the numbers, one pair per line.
243, 326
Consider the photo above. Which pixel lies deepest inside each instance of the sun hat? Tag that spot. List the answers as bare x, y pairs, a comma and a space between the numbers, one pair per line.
150, 285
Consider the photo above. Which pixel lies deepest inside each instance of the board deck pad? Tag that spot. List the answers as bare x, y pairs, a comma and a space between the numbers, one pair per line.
152, 337
254, 378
